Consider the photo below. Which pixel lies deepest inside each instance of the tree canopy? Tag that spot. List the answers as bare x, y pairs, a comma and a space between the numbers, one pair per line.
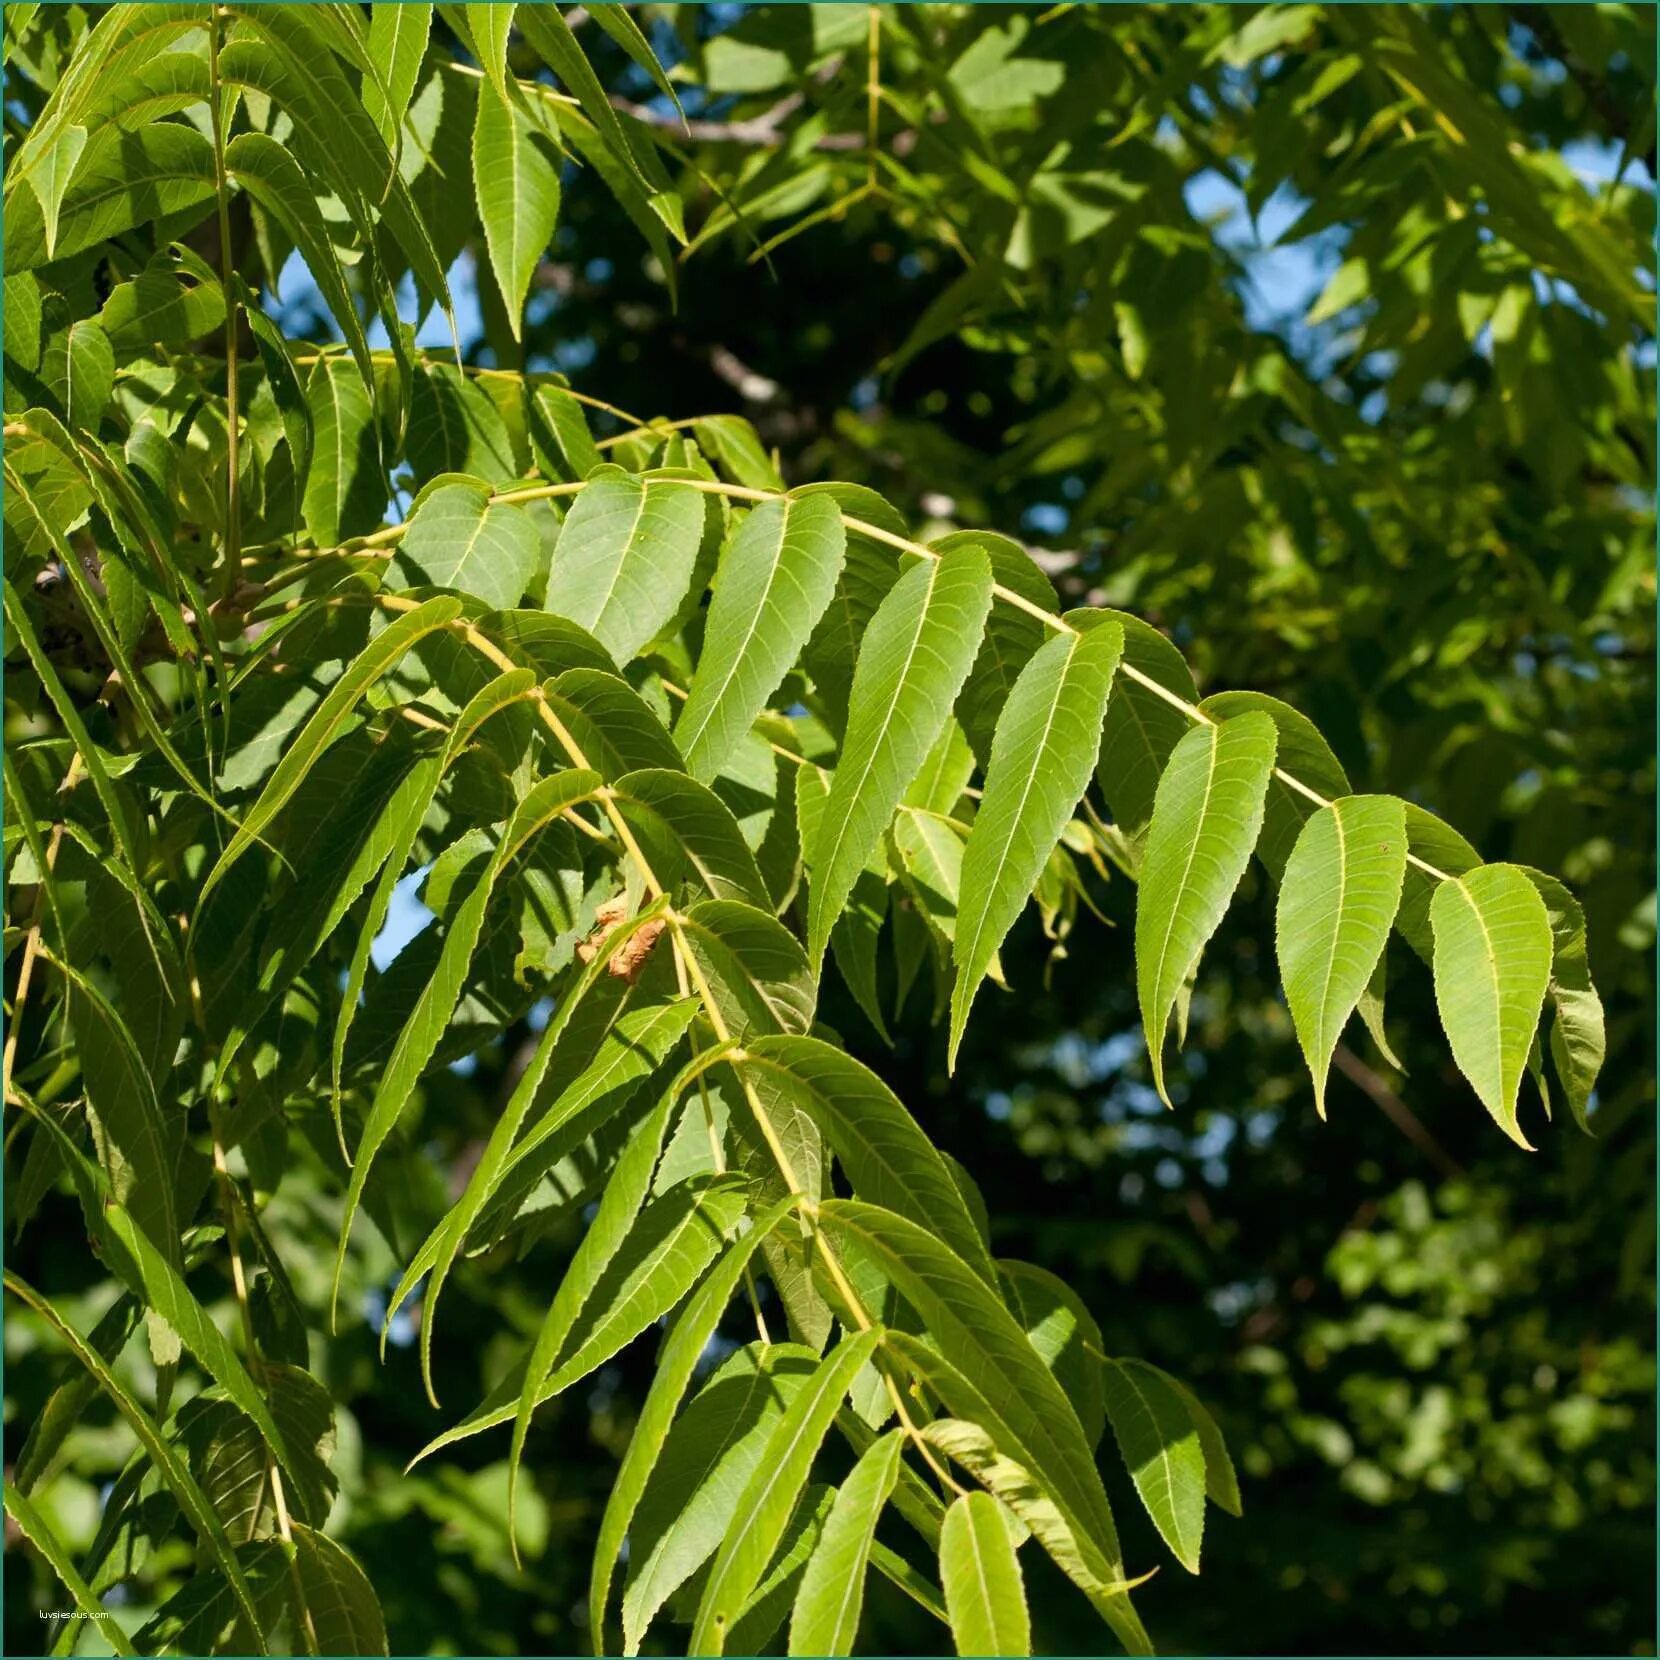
788, 693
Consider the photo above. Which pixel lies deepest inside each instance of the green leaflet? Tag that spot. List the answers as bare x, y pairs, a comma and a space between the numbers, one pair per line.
690, 1502
625, 1193
1338, 899
1578, 1040
690, 835
1065, 1335
1012, 635
548, 800
490, 26
455, 428
78, 366
439, 1251
1493, 952
754, 1630
1303, 753
516, 176
397, 42
914, 658
276, 181
616, 730
121, 828
681, 1350
1041, 757
1206, 816
634, 1044
1142, 728
755, 968
458, 538
191, 1499
775, 578
624, 556
158, 307
122, 180
138, 1148
326, 720
825, 1619
1221, 1484
341, 1611
173, 1471
888, 1159
344, 489
48, 174
984, 1368
984, 1592
35, 1528
1159, 1439
769, 1498
676, 1238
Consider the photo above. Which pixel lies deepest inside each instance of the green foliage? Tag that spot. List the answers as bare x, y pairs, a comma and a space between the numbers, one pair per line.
656, 734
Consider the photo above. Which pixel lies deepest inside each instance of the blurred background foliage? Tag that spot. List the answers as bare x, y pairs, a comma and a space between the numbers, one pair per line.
1323, 338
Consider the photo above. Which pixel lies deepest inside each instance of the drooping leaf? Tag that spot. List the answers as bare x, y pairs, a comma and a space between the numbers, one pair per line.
1160, 1442
769, 1498
825, 1619
774, 580
340, 1612
1206, 818
1041, 758
1338, 899
1578, 1039
397, 42
985, 1594
912, 663
516, 174
1493, 953
38, 1531
690, 1503
680, 1353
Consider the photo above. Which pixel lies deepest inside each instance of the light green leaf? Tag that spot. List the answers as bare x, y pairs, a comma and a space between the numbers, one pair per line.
49, 172
888, 1159
984, 1368
490, 26
1492, 965
984, 1592
1338, 898
455, 428
684, 1346
504, 1151
79, 367
1156, 1434
769, 1499
624, 556
914, 658
756, 969
616, 729
122, 180
1206, 817
1065, 1335
516, 176
825, 1619
703, 1468
775, 578
397, 42
1041, 757
458, 539
158, 307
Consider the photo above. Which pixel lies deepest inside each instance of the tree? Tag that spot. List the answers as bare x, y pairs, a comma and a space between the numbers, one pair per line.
296, 617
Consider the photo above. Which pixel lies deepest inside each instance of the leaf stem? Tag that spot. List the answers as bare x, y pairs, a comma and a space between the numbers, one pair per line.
233, 500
